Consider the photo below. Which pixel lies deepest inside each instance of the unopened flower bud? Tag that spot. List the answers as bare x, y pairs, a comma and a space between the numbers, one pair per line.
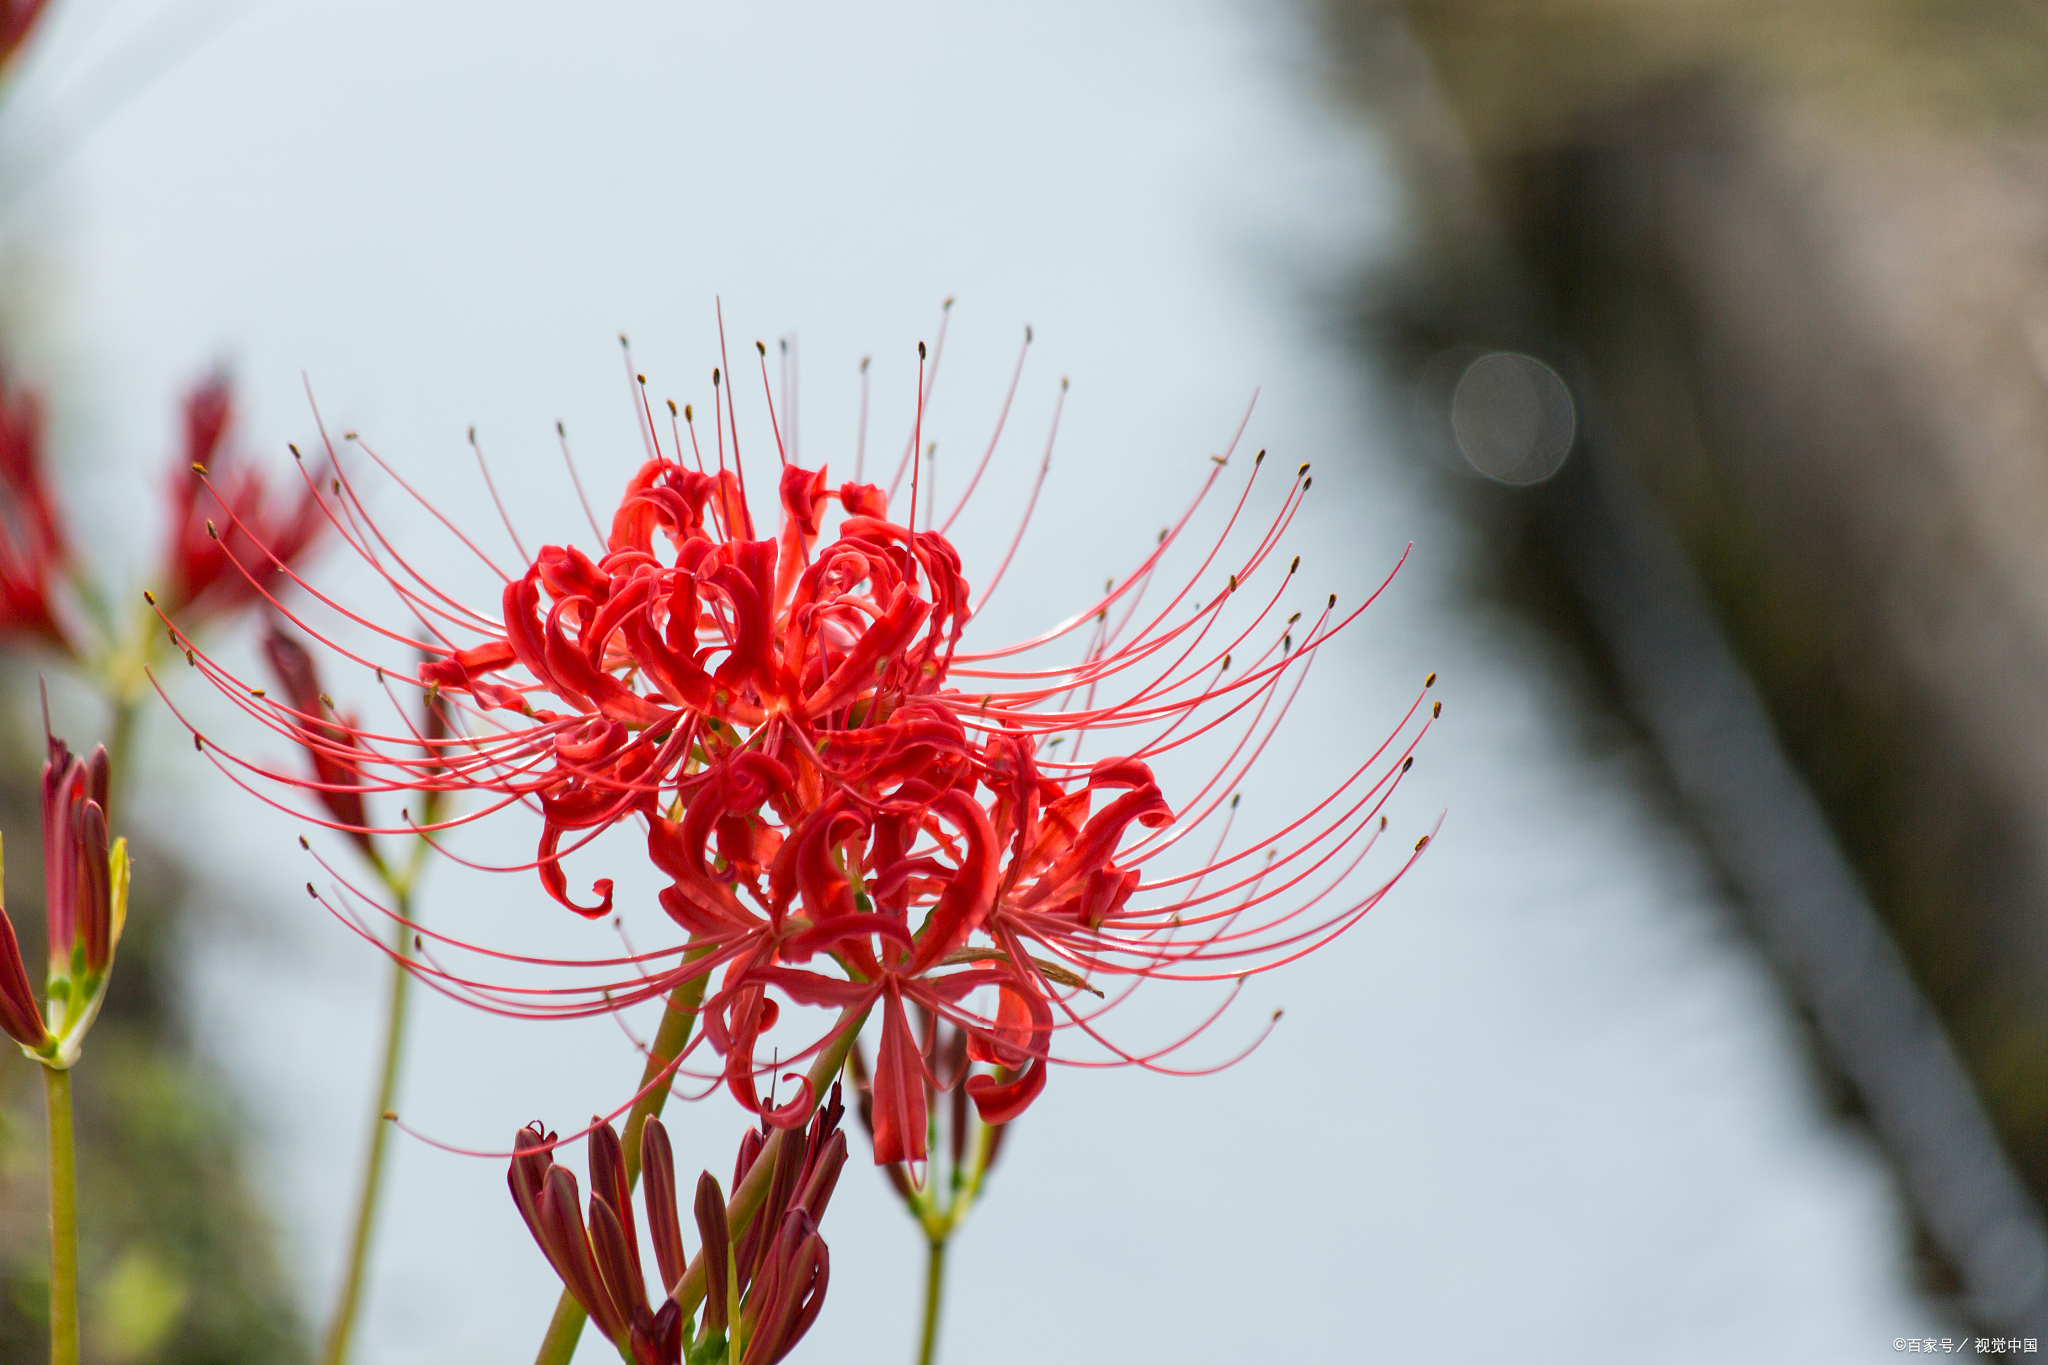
332, 746
85, 881
19, 1014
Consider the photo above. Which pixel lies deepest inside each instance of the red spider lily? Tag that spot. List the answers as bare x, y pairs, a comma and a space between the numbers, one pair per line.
33, 553
762, 1292
851, 809
85, 882
230, 538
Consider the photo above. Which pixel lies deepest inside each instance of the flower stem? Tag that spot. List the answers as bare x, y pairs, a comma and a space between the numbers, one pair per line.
934, 1287
747, 1197
335, 1349
63, 1219
565, 1329
121, 747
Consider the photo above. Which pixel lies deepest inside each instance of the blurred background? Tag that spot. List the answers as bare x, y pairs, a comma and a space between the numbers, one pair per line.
1697, 347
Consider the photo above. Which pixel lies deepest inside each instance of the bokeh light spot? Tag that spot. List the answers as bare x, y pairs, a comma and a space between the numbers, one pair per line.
1513, 418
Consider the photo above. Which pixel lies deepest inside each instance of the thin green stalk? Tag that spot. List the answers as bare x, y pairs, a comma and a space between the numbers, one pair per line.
677, 1021
121, 747
63, 1219
934, 1287
565, 1328
746, 1199
335, 1349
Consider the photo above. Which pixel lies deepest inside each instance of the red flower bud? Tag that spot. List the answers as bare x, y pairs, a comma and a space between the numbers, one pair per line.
20, 1016
85, 891
77, 880
329, 739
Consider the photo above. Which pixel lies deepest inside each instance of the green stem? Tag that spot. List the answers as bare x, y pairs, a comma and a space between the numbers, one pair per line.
677, 1021
746, 1199
120, 748
565, 1329
335, 1349
63, 1219
934, 1287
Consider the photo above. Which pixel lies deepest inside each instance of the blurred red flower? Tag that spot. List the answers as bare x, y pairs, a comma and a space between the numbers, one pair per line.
231, 536
34, 555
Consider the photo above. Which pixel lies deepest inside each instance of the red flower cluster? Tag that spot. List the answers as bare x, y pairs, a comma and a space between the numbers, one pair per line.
851, 810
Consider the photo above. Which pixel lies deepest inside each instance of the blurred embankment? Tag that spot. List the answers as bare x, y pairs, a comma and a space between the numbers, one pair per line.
1801, 255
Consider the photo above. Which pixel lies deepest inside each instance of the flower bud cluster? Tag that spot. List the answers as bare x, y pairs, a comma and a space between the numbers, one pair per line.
761, 1269
85, 883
